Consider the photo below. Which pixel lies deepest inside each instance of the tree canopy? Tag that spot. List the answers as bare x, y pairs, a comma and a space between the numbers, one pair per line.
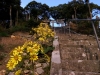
38, 11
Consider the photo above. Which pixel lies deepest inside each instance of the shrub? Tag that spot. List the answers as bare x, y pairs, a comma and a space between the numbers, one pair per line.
24, 57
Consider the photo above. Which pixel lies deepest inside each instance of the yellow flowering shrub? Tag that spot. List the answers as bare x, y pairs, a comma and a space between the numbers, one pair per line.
23, 57
45, 36
43, 32
28, 51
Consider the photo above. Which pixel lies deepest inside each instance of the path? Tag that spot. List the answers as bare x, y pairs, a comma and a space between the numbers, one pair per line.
79, 54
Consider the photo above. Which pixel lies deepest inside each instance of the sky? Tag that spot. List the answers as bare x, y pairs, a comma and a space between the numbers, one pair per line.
53, 2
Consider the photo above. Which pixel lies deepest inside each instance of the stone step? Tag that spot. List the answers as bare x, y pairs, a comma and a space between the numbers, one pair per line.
71, 45
85, 43
71, 48
93, 49
75, 37
78, 73
74, 55
79, 36
79, 56
92, 54
81, 65
86, 48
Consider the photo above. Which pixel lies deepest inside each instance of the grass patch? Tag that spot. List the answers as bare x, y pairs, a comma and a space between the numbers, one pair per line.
4, 34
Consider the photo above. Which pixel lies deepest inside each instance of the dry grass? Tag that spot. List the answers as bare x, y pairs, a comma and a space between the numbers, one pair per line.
7, 44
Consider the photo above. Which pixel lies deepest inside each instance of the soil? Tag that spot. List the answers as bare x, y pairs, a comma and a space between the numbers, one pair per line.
6, 45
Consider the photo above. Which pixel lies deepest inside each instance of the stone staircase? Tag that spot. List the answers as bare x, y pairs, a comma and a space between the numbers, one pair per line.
80, 54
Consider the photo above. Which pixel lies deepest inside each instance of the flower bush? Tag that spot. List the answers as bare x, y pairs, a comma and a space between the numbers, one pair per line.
23, 57
43, 32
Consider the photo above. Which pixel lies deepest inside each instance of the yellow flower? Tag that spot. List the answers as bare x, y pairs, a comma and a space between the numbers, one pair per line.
41, 39
33, 53
18, 50
11, 64
45, 33
30, 43
33, 49
16, 58
33, 57
18, 72
52, 34
14, 52
25, 45
36, 46
29, 49
49, 30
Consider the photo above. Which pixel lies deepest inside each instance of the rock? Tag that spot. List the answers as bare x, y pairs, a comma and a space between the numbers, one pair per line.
26, 71
38, 65
35, 73
39, 70
44, 65
3, 72
11, 73
71, 73
79, 61
84, 54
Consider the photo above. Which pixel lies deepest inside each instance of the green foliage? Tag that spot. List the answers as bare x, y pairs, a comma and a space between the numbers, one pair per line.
18, 28
32, 23
37, 9
48, 49
4, 34
23, 27
74, 8
85, 27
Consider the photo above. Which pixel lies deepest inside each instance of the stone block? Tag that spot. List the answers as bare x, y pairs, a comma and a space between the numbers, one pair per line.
39, 70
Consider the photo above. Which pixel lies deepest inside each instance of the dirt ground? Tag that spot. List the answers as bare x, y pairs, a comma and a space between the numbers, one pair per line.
7, 44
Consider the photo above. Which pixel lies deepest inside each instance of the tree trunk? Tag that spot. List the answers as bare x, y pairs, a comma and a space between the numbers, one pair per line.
37, 18
89, 11
75, 11
10, 16
17, 17
29, 17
